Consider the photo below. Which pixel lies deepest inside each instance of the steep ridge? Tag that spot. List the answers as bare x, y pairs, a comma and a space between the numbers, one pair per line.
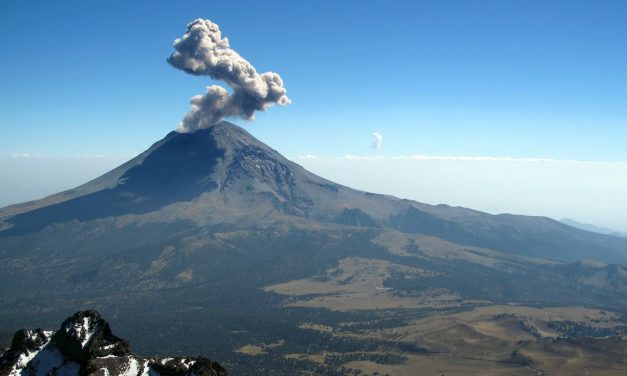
85, 345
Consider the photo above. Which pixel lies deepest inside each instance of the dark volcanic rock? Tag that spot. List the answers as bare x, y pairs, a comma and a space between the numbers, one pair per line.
85, 345
28, 340
85, 335
24, 342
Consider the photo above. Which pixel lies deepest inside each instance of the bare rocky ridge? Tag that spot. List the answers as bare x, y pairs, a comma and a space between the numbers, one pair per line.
85, 345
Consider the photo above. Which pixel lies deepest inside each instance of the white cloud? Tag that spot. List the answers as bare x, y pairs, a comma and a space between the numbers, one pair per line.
378, 139
90, 156
65, 157
22, 155
307, 156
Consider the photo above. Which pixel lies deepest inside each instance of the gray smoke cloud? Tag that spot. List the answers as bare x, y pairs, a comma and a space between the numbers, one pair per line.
202, 51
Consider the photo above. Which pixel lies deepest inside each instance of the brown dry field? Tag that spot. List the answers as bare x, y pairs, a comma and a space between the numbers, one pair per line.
492, 340
356, 284
487, 339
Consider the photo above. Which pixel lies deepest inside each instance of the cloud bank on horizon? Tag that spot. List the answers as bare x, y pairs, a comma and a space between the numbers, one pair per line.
202, 51
540, 186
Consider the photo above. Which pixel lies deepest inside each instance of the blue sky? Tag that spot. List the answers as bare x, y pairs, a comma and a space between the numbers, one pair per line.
516, 79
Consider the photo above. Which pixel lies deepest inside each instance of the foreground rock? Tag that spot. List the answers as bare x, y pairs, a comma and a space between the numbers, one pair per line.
85, 345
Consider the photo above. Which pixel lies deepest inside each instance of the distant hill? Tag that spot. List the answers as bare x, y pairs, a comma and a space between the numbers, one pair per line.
593, 228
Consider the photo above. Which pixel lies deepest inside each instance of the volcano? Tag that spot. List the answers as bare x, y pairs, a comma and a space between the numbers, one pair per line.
224, 176
212, 234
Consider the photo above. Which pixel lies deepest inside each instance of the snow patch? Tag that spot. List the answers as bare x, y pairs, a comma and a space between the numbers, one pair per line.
133, 368
47, 359
145, 369
86, 331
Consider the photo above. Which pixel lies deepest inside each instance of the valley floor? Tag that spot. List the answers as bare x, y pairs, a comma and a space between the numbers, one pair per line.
489, 340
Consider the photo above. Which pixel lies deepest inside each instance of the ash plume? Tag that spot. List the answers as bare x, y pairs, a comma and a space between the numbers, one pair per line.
202, 51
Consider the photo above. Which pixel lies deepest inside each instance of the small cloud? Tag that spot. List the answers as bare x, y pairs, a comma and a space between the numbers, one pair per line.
88, 156
349, 157
378, 139
22, 155
308, 156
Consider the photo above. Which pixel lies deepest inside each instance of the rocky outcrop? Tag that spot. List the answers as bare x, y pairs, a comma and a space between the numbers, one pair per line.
85, 345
